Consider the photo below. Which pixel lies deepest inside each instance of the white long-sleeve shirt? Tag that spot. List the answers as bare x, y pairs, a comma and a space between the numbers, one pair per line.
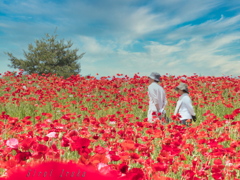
156, 95
184, 107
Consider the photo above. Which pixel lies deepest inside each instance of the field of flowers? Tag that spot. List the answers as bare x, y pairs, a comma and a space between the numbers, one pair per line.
101, 123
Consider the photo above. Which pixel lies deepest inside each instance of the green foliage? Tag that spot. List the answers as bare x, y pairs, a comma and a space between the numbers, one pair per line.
49, 55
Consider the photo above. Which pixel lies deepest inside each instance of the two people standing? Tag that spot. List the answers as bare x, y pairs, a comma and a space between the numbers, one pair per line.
158, 100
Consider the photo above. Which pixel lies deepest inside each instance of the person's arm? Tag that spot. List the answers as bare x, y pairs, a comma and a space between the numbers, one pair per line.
164, 102
179, 102
188, 104
157, 107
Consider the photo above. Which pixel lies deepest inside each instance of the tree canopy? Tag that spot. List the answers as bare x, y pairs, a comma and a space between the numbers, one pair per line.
49, 55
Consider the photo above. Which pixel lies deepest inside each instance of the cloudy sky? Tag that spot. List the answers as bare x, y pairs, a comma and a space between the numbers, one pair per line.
130, 36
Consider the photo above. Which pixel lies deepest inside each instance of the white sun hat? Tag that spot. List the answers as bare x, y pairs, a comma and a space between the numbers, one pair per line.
155, 76
183, 87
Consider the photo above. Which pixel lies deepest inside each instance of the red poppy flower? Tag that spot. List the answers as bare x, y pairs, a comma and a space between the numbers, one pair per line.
123, 168
135, 174
22, 156
115, 157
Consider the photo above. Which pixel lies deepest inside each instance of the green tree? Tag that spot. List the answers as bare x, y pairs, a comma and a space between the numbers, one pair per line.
49, 55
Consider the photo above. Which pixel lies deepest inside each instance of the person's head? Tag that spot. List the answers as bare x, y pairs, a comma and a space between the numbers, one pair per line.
154, 77
182, 88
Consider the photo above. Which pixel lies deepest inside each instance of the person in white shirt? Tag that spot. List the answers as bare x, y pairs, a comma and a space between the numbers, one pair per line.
157, 97
184, 105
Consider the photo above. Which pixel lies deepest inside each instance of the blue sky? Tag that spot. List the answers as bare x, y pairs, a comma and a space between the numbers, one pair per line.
128, 36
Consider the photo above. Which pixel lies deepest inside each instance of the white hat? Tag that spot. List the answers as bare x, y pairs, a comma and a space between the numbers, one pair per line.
183, 87
155, 76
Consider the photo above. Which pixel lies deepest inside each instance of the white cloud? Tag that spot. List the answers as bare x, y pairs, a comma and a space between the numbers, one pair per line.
207, 28
92, 46
142, 21
181, 11
204, 55
156, 49
188, 57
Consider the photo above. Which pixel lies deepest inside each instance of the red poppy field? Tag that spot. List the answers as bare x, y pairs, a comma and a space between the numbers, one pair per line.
100, 123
